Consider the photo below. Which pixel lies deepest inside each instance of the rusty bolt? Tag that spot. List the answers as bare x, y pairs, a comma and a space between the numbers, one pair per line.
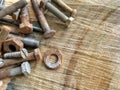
48, 33
14, 7
56, 12
64, 6
36, 55
3, 35
11, 22
24, 69
27, 41
25, 27
57, 54
19, 54
12, 45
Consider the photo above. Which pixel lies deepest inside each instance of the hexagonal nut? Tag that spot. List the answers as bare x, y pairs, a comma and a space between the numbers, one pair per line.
12, 45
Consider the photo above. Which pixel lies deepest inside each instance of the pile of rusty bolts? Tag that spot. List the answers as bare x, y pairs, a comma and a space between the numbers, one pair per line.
12, 47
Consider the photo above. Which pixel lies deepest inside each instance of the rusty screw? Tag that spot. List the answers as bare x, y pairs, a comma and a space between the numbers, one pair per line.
19, 54
24, 69
14, 7
27, 41
36, 55
56, 12
64, 6
48, 33
25, 27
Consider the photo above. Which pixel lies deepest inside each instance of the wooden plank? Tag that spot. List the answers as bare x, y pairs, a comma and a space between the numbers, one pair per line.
90, 47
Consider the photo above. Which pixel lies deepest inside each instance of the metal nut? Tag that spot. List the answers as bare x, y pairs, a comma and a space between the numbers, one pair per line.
12, 45
56, 53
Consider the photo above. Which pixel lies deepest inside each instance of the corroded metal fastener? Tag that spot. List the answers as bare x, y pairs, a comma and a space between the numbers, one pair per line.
3, 35
25, 27
14, 7
17, 23
24, 69
27, 41
56, 12
35, 55
64, 6
57, 54
12, 45
20, 54
48, 33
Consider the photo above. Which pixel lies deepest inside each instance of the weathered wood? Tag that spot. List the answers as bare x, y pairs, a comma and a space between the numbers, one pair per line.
90, 47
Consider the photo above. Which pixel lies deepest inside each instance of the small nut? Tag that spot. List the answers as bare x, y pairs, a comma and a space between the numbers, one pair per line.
12, 45
56, 53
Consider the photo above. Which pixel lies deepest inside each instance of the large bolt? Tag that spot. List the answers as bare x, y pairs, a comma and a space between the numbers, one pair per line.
64, 6
27, 41
17, 23
20, 54
14, 7
3, 35
48, 33
35, 55
24, 69
25, 27
56, 12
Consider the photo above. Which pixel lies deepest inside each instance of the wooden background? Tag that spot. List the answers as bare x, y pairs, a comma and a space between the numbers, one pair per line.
90, 47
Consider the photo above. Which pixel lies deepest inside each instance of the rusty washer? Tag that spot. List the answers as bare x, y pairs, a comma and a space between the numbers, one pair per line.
54, 52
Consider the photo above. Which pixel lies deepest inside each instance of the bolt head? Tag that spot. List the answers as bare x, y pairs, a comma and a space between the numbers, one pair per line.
26, 28
49, 34
74, 12
68, 22
38, 54
26, 69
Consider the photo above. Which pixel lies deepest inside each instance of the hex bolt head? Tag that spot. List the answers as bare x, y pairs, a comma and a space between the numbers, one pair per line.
21, 54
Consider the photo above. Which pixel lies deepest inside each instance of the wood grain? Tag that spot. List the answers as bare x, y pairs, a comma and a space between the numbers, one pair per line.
90, 47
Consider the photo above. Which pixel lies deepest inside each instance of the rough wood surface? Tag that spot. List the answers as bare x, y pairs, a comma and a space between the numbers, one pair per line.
90, 47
